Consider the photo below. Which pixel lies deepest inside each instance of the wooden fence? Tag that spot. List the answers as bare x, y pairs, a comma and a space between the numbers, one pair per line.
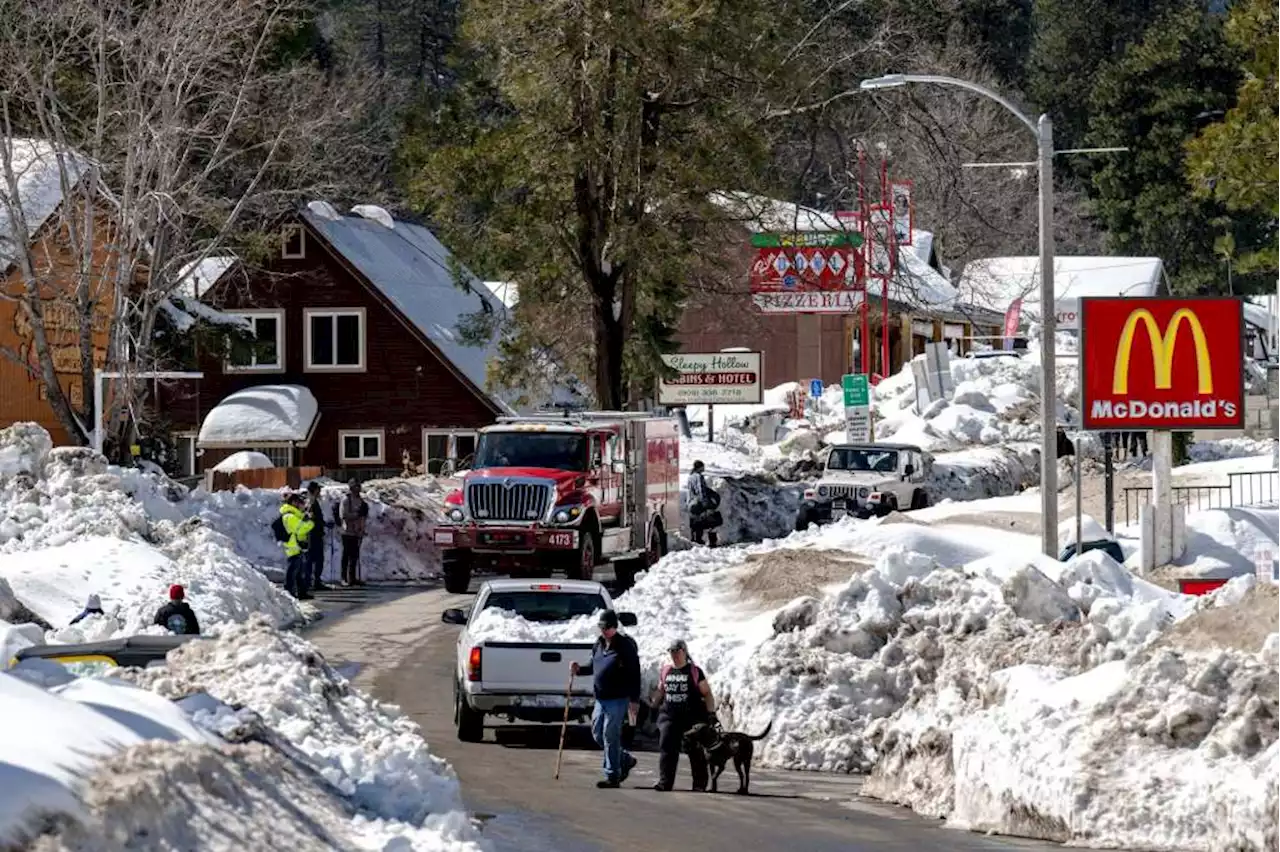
267, 477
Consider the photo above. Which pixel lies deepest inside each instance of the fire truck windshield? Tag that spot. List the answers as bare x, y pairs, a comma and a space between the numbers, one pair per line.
554, 450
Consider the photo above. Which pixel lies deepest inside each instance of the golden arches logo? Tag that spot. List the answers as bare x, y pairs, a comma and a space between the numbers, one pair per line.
1162, 348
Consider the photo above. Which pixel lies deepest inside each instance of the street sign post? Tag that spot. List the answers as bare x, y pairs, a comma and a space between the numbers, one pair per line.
815, 388
857, 406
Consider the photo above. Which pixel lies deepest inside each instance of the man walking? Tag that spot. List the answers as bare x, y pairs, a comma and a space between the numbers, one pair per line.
315, 552
353, 514
297, 536
704, 507
615, 669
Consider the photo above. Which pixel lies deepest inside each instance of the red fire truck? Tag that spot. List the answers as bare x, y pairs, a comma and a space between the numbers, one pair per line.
564, 493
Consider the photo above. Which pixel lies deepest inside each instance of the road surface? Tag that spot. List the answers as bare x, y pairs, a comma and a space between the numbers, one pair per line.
391, 642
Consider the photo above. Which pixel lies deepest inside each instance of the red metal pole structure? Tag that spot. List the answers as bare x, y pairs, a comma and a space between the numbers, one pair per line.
884, 297
864, 343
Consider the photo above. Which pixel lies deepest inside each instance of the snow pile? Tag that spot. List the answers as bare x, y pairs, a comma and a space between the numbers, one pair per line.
244, 460
263, 745
500, 625
71, 526
1229, 542
369, 754
1234, 448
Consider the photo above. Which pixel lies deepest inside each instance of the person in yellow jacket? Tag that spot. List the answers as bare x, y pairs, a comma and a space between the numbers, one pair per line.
297, 528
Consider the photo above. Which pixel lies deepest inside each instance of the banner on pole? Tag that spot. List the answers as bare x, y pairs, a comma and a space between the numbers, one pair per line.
879, 243
904, 211
1011, 319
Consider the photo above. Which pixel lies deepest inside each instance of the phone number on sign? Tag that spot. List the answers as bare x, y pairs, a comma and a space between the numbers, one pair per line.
715, 379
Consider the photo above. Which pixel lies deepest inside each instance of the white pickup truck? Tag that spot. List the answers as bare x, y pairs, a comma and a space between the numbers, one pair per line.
524, 680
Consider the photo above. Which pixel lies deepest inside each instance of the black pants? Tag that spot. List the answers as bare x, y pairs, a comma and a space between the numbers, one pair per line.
350, 559
670, 740
315, 558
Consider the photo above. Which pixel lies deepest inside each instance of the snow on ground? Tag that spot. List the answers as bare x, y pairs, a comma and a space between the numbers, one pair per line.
1233, 448
246, 742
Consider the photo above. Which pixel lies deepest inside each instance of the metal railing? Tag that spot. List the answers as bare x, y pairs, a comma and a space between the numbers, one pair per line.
1247, 488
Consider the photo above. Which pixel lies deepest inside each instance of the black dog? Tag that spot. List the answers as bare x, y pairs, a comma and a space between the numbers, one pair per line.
718, 746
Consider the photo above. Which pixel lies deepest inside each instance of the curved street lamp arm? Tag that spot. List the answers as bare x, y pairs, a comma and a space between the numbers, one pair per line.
963, 84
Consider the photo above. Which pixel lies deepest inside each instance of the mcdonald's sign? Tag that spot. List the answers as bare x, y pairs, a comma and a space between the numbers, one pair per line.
1162, 363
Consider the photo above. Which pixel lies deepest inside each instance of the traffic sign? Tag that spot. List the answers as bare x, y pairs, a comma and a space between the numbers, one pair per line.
815, 388
857, 390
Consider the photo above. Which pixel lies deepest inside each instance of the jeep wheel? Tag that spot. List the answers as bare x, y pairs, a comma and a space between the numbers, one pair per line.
457, 572
888, 505
583, 566
802, 521
919, 499
470, 722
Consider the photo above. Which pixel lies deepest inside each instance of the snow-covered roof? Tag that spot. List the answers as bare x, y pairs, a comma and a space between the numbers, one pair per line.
1259, 315
995, 282
263, 414
39, 175
506, 292
184, 312
416, 273
768, 214
198, 277
916, 283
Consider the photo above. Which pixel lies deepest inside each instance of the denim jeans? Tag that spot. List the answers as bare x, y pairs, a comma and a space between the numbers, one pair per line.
606, 728
295, 575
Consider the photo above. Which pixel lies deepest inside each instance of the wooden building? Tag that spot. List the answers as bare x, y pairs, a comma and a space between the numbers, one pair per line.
360, 313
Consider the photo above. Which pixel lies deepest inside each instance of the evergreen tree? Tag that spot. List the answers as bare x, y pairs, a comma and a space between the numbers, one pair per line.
1234, 161
1073, 39
1153, 99
585, 167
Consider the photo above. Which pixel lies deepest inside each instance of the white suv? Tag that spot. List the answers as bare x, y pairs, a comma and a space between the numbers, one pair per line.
865, 480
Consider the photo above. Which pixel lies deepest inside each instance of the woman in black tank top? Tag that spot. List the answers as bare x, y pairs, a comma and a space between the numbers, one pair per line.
686, 700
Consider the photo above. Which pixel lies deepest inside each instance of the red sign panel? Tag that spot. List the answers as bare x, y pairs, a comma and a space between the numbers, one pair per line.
813, 267
1162, 363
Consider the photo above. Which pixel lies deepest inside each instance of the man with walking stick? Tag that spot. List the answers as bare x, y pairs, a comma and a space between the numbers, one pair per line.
615, 669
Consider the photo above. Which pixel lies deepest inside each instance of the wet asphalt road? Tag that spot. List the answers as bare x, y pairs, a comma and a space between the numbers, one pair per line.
390, 641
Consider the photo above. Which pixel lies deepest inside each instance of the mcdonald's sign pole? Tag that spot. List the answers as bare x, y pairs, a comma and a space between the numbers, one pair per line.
1166, 365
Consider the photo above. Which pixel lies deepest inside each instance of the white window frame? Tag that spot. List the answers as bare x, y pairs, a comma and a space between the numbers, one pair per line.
453, 435
250, 314
380, 434
286, 233
333, 314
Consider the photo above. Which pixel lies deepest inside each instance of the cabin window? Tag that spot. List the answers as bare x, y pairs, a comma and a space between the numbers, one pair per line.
265, 351
293, 243
360, 447
335, 340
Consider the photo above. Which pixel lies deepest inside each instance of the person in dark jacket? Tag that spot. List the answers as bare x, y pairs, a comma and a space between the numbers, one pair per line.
683, 699
615, 670
93, 606
315, 553
177, 614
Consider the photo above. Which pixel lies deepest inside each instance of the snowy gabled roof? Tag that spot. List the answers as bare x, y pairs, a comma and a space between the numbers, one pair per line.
995, 282
263, 414
759, 213
39, 173
416, 273
916, 283
198, 277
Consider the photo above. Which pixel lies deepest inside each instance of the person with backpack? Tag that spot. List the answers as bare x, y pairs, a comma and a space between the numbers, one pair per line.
353, 515
177, 615
704, 507
683, 700
293, 530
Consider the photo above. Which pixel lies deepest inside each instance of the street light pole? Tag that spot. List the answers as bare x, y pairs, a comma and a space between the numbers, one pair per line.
1043, 131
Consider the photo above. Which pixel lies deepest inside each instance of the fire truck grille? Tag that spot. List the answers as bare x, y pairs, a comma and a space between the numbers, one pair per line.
499, 500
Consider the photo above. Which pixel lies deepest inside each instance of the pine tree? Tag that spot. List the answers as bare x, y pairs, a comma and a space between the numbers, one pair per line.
1234, 161
582, 165
1153, 99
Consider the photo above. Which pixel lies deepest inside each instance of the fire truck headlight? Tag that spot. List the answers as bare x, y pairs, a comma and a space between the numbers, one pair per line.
561, 517
456, 515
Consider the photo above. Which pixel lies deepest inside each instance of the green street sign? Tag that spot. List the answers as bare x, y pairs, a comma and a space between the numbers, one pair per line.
807, 239
857, 390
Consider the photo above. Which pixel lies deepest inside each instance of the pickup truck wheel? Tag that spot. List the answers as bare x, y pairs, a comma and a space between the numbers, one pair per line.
470, 722
919, 499
457, 573
584, 566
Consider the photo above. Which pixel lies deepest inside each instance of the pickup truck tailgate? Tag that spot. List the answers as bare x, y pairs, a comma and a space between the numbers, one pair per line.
526, 667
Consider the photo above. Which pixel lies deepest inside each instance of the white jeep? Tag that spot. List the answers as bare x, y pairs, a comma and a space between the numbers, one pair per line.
865, 480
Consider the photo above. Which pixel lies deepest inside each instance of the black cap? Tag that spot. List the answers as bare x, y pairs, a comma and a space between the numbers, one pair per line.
698, 465
608, 618
313, 486
677, 645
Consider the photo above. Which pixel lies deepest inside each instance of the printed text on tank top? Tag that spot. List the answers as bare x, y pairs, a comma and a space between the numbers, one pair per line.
680, 688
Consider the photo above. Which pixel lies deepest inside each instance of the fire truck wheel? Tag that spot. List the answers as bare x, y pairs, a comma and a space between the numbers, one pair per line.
583, 564
457, 574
